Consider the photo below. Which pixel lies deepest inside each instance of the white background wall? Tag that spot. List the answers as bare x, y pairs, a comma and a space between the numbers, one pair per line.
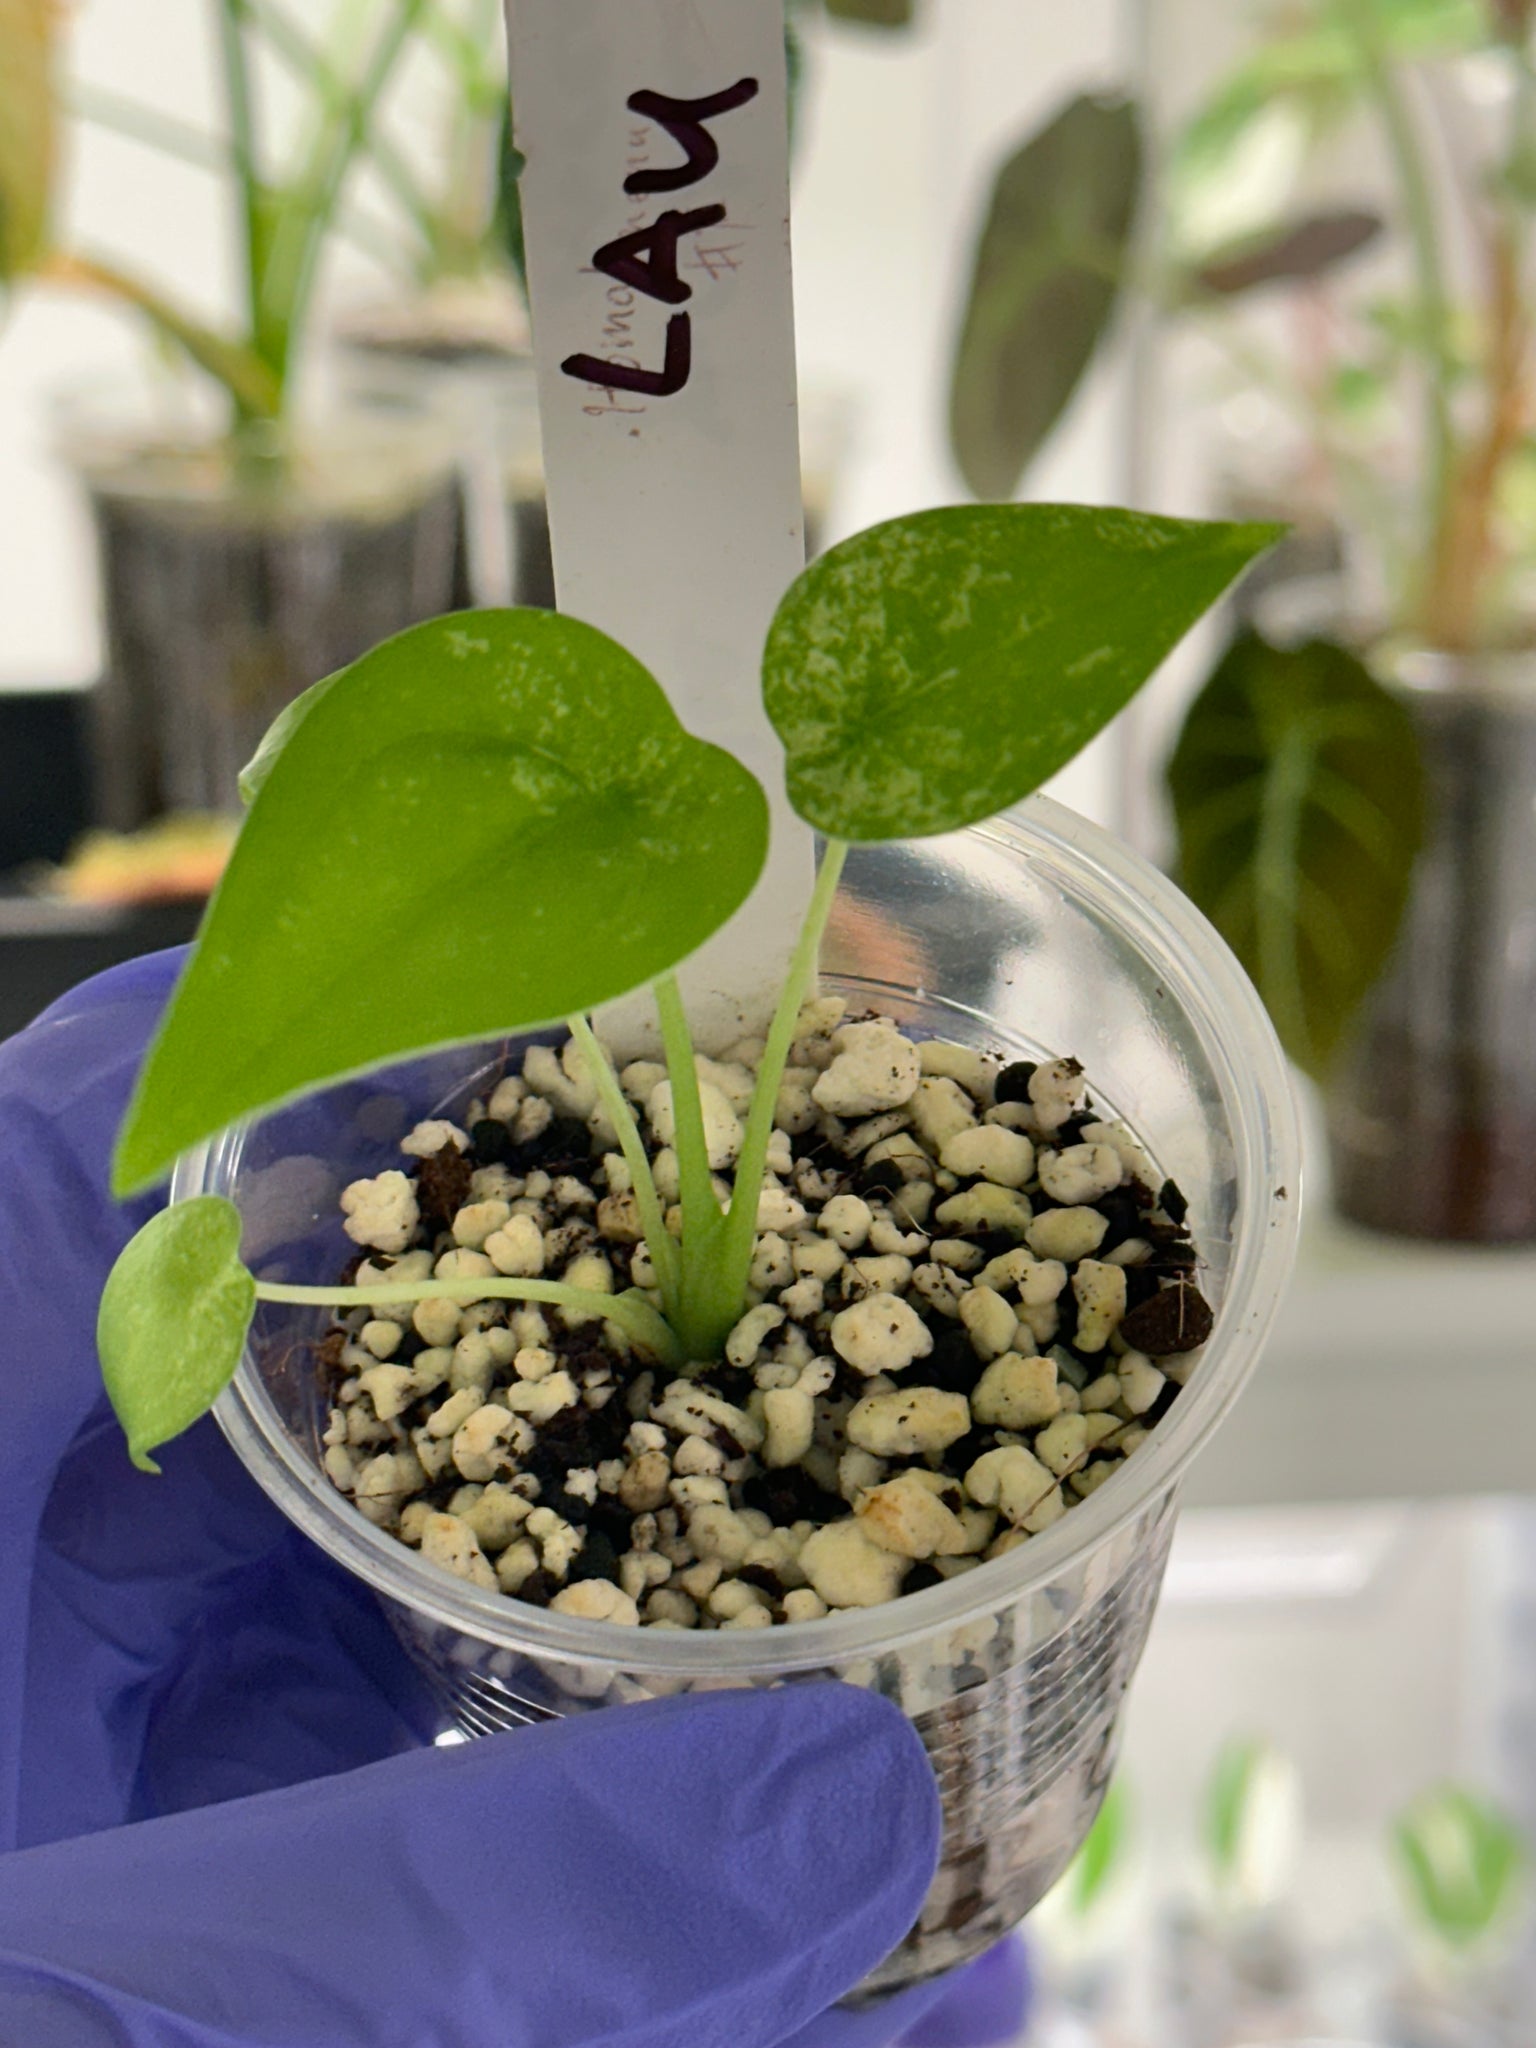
901, 137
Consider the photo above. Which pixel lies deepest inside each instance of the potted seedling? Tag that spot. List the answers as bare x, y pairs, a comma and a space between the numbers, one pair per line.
648, 1374
1236, 1964
245, 550
1462, 1871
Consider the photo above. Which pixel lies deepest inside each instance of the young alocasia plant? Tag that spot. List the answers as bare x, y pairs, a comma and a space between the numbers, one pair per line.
502, 807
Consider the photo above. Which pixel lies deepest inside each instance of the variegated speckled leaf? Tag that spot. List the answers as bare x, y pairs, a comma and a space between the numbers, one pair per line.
934, 670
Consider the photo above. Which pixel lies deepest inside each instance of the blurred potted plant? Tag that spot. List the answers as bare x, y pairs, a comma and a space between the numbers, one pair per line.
1236, 1970
1462, 1873
244, 553
1389, 932
451, 337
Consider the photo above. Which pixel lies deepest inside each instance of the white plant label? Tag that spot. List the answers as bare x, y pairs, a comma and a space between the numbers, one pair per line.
656, 218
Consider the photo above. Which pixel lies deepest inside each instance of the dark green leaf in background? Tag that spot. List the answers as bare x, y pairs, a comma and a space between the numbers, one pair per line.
1299, 799
172, 1321
1048, 271
938, 668
876, 13
1298, 250
491, 821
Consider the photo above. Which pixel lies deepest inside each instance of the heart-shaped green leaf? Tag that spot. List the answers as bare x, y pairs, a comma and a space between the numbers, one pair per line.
172, 1322
1298, 794
490, 822
1047, 276
934, 670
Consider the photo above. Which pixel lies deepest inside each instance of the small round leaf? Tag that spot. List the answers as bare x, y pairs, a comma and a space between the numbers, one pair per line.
173, 1321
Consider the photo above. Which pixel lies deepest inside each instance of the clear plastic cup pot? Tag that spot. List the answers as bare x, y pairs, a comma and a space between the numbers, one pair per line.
1034, 936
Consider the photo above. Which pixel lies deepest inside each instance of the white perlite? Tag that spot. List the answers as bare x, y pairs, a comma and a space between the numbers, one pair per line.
939, 1356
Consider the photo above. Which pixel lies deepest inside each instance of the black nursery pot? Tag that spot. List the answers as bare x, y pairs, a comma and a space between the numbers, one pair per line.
234, 578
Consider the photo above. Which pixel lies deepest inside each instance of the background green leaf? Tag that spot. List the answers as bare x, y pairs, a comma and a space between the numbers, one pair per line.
876, 13
172, 1321
1103, 1853
934, 670
1298, 796
1234, 167
28, 131
1297, 250
489, 822
1462, 1864
1048, 271
1251, 1822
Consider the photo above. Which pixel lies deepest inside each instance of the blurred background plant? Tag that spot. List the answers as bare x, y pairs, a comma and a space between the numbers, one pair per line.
1352, 790
246, 546
287, 197
1463, 1870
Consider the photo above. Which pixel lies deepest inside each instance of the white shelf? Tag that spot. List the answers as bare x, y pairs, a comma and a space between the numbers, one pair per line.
1397, 1370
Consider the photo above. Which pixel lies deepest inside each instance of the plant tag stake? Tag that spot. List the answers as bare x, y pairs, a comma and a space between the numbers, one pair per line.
656, 218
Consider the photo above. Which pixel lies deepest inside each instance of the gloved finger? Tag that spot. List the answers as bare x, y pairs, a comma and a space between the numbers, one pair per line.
186, 1644
984, 2005
63, 1082
123, 1597
710, 1870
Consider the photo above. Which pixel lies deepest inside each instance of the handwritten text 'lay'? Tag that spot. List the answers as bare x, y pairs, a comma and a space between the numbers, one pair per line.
647, 260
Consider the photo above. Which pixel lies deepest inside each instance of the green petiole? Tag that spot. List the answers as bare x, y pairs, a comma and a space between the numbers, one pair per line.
703, 1218
658, 1240
633, 1314
732, 1255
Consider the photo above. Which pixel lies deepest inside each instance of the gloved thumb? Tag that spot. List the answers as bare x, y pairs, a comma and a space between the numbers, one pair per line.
713, 1870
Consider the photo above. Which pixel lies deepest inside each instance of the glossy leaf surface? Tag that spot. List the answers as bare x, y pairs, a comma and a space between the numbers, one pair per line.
490, 822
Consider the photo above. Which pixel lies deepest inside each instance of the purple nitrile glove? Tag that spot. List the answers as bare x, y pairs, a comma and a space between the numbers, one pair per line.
220, 1824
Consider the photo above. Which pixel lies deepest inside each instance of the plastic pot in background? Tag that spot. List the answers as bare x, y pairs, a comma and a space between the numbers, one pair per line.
233, 578
1035, 936
1432, 1116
